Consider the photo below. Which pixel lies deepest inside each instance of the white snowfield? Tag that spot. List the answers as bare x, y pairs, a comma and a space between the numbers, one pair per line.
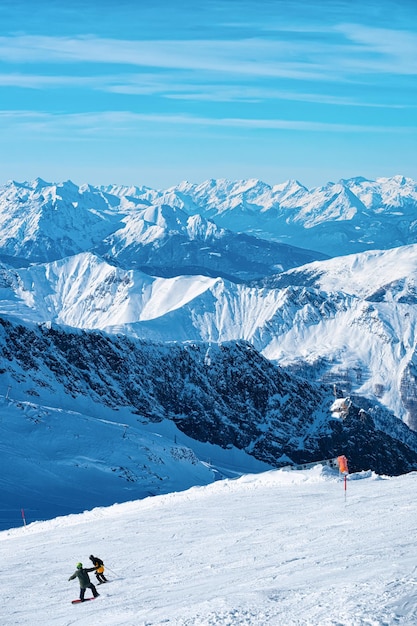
282, 548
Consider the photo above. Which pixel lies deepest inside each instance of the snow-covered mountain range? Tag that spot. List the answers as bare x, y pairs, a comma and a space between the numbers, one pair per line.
146, 314
41, 222
44, 221
351, 215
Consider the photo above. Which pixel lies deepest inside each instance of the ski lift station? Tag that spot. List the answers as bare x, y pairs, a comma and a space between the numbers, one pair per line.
340, 408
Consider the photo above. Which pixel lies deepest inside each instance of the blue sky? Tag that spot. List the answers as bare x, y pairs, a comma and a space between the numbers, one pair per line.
155, 92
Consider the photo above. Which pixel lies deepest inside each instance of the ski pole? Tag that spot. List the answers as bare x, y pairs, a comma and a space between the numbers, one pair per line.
111, 571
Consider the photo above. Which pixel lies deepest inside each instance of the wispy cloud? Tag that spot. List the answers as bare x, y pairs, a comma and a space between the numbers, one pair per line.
249, 57
381, 50
40, 81
138, 84
116, 122
185, 88
358, 48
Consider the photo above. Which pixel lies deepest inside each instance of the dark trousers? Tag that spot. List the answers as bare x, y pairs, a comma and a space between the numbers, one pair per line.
90, 586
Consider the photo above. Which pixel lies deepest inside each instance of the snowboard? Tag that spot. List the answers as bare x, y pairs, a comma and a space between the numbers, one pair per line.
78, 601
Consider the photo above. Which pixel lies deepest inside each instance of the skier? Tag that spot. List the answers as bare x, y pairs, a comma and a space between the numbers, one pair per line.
99, 567
82, 574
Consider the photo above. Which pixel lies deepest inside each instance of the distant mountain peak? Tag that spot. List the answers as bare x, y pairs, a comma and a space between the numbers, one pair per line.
39, 183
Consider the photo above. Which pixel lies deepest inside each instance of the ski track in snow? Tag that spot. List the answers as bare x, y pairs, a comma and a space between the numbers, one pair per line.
283, 548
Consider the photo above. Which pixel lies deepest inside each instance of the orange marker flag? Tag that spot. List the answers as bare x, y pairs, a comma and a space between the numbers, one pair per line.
343, 464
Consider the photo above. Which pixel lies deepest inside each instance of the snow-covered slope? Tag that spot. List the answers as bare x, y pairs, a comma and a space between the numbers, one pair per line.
279, 549
84, 291
57, 461
379, 275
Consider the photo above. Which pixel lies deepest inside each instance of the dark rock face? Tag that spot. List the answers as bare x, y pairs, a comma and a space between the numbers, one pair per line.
225, 394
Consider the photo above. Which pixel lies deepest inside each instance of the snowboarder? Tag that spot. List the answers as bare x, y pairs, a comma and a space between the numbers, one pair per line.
82, 574
99, 566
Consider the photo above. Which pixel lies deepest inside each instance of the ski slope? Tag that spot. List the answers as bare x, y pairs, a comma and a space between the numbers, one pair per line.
282, 548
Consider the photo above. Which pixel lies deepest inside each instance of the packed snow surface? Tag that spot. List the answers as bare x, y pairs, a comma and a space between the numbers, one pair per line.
282, 548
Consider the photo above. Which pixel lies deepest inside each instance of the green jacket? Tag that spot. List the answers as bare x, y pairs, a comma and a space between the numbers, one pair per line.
83, 577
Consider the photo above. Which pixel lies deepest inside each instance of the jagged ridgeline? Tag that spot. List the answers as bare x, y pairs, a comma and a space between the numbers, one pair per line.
224, 394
